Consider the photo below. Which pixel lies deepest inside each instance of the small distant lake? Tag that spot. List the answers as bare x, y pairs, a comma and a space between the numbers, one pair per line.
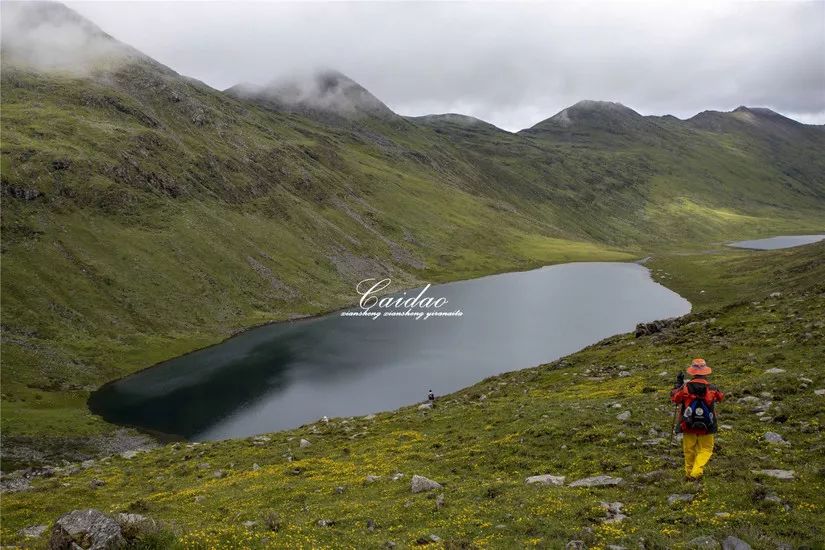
284, 375
774, 243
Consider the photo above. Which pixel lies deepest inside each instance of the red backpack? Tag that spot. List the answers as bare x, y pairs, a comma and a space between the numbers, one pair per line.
697, 398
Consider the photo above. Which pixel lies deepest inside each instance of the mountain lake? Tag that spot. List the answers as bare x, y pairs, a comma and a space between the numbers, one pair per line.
284, 375
775, 243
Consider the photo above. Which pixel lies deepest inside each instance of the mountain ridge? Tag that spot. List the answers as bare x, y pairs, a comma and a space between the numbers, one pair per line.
31, 17
146, 214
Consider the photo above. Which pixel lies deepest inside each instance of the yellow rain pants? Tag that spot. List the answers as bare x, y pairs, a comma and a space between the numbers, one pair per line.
698, 449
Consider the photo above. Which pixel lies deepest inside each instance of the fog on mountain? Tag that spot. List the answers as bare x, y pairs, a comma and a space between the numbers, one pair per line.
325, 91
48, 36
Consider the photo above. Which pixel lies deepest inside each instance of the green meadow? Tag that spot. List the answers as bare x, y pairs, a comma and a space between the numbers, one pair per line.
753, 311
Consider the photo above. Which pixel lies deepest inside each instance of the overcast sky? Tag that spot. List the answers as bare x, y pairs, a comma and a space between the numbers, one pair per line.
510, 64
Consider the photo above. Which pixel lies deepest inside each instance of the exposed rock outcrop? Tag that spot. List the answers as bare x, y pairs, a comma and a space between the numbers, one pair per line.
421, 483
88, 529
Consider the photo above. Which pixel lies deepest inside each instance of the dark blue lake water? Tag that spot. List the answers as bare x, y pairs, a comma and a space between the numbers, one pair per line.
288, 374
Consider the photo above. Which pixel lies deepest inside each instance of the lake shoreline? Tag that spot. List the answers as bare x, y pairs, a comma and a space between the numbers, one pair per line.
164, 436
108, 402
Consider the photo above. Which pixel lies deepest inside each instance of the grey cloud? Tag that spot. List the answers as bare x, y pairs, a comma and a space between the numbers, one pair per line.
40, 35
510, 64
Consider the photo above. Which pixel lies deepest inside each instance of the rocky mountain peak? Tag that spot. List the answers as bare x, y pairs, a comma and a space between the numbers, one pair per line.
455, 121
591, 117
326, 92
588, 111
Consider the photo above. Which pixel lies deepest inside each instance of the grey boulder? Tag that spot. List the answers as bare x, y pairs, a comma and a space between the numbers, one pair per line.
774, 438
33, 531
14, 484
596, 481
682, 497
421, 483
613, 511
88, 529
778, 474
733, 543
545, 479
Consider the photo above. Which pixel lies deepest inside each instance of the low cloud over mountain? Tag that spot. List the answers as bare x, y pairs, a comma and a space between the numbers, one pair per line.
511, 65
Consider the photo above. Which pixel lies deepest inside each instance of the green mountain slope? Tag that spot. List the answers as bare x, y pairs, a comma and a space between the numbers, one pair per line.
627, 179
755, 311
146, 214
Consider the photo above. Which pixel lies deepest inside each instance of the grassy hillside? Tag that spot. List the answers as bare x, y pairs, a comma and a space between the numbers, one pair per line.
146, 214
141, 243
754, 311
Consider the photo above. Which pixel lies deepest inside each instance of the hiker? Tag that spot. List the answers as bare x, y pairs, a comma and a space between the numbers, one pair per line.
431, 396
698, 419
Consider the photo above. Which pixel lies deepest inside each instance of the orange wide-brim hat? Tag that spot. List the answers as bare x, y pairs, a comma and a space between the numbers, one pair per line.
699, 367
